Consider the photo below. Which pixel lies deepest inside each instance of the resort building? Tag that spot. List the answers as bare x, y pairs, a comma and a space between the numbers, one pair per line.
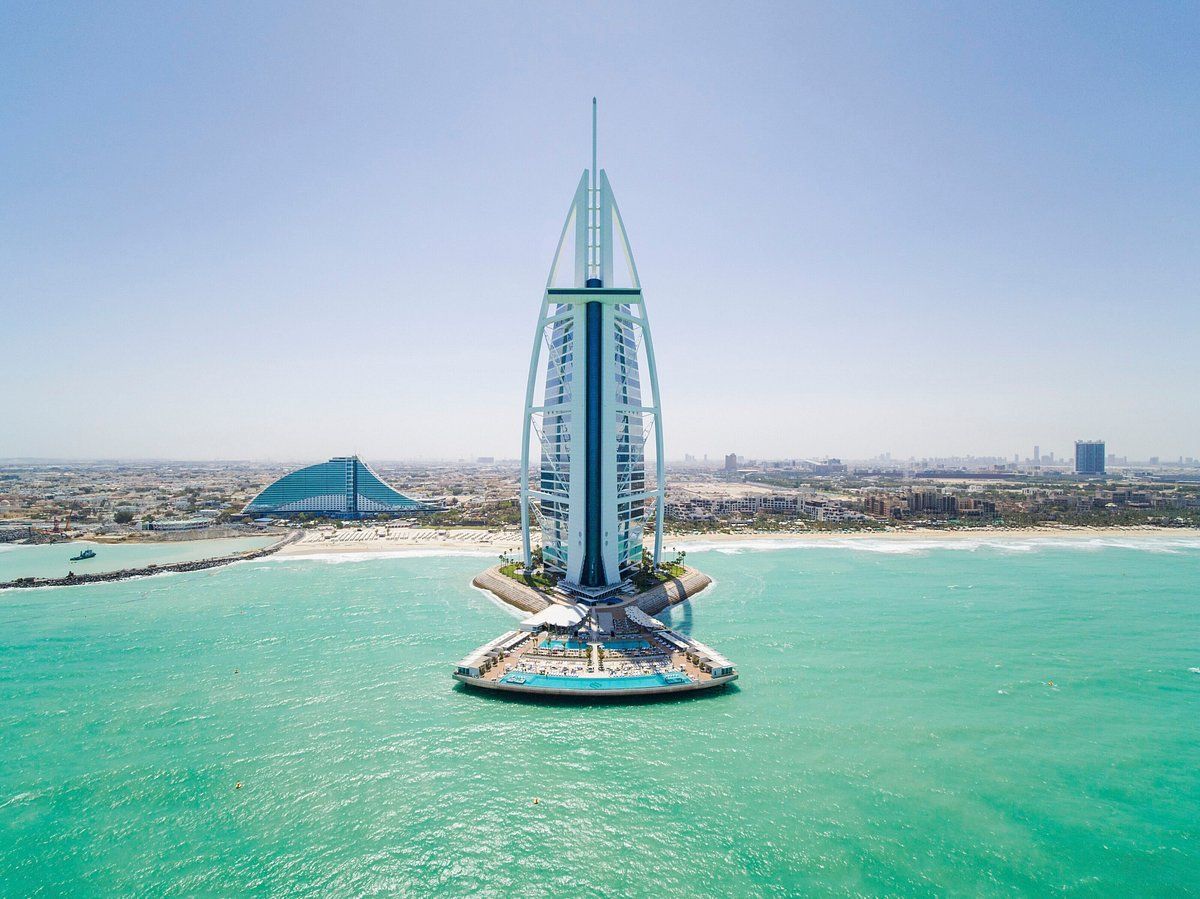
592, 499
343, 487
189, 524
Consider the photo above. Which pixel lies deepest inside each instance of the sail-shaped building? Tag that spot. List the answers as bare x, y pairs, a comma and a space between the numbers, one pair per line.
599, 405
591, 484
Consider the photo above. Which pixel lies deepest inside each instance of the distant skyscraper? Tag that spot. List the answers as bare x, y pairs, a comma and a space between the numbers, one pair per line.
592, 426
1037, 455
731, 463
1089, 456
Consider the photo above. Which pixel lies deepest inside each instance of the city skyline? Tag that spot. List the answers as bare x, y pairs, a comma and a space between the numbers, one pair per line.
981, 225
1047, 456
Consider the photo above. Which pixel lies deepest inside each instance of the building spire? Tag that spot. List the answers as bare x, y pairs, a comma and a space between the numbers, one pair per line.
593, 276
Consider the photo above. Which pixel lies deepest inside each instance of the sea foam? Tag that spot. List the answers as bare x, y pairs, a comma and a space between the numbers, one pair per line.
917, 546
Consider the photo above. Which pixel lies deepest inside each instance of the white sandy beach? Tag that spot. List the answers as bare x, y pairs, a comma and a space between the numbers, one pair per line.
490, 544
472, 541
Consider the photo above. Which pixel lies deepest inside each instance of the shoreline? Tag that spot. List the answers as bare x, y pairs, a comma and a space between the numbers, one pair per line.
361, 545
469, 542
1023, 533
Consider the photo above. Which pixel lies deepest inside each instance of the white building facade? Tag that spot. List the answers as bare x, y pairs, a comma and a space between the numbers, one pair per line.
592, 419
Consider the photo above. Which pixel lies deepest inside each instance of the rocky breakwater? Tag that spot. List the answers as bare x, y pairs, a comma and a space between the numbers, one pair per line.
529, 598
124, 574
523, 596
673, 591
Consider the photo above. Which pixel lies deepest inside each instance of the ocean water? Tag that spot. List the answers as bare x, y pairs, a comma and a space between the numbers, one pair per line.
54, 560
991, 720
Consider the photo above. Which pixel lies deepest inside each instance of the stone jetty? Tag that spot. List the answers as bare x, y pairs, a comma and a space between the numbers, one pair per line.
127, 573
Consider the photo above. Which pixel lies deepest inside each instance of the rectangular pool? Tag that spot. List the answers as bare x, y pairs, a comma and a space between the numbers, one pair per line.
565, 644
626, 644
562, 682
619, 645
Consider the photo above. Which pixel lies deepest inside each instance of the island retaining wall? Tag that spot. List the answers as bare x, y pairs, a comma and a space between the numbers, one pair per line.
676, 590
524, 597
530, 599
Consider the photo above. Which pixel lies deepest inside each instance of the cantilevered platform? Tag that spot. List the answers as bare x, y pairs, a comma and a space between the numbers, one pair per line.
564, 651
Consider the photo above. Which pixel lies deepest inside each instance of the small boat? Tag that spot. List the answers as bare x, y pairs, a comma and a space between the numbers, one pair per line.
86, 554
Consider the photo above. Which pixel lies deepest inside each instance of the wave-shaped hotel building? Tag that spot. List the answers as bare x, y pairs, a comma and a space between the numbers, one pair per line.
592, 408
343, 487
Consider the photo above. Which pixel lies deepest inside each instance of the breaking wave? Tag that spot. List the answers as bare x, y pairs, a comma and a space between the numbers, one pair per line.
906, 545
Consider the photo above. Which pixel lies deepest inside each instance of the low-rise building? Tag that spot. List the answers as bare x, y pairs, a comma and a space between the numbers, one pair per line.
189, 524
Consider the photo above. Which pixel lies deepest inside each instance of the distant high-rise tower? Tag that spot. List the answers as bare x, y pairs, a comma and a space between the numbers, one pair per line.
592, 426
731, 463
1089, 457
1037, 455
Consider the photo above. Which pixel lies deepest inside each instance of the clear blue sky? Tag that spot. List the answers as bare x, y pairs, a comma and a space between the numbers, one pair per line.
294, 230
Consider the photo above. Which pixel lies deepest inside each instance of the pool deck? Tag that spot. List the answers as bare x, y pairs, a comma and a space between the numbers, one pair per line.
589, 650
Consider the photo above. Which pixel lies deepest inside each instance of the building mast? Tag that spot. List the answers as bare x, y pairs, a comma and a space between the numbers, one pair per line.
594, 209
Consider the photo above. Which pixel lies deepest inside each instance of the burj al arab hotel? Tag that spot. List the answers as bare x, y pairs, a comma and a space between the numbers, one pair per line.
593, 418
592, 403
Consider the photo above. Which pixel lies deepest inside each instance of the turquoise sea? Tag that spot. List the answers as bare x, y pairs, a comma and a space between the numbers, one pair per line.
54, 560
1017, 718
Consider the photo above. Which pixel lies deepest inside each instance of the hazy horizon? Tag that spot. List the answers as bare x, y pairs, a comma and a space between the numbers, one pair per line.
713, 461
286, 232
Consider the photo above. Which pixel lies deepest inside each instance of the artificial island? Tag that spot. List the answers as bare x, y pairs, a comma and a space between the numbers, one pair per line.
591, 587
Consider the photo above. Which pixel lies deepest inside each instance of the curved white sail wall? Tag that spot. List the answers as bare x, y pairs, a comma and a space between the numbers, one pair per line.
591, 497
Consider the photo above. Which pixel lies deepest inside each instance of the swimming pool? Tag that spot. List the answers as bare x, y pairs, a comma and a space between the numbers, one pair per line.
562, 682
565, 644
626, 644
619, 645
